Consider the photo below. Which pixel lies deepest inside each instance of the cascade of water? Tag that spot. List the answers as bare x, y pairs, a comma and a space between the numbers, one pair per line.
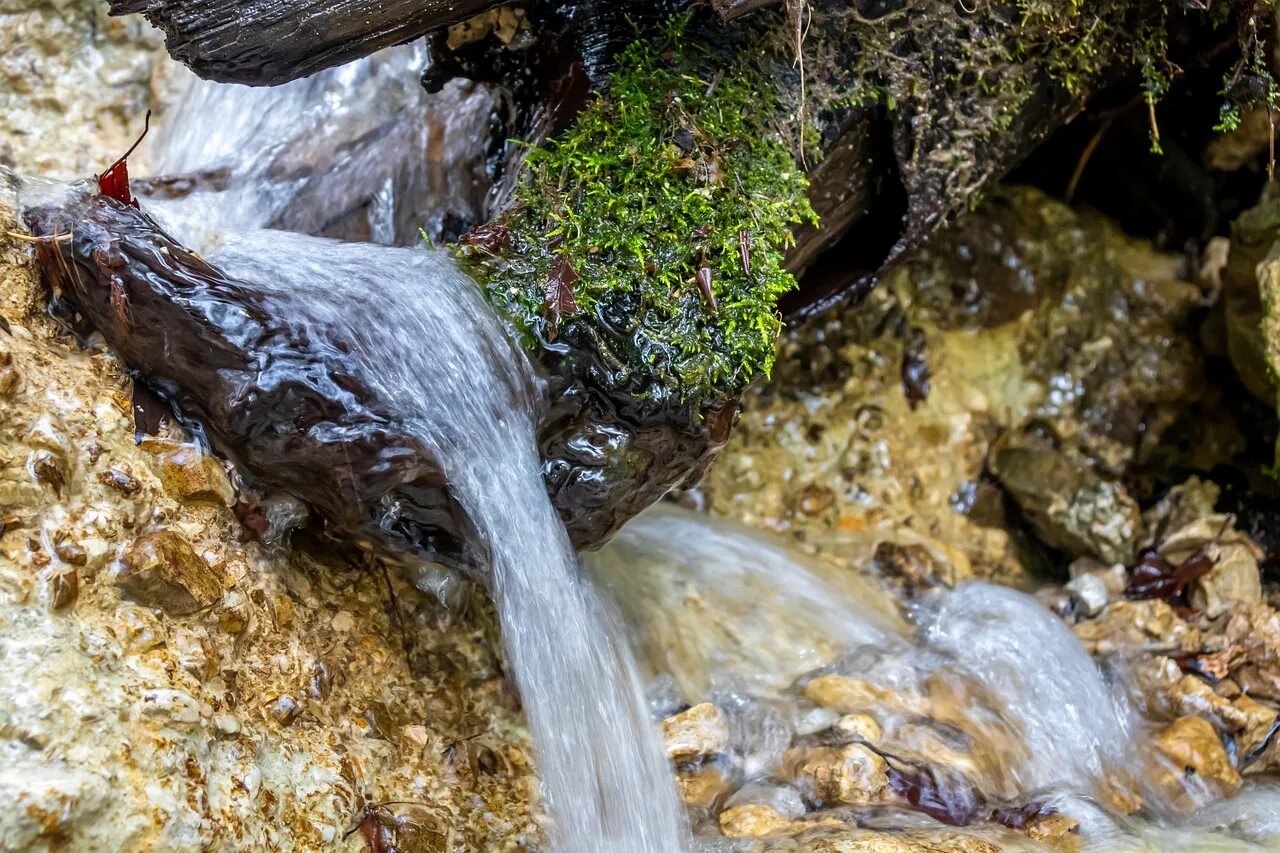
358, 152
416, 328
725, 611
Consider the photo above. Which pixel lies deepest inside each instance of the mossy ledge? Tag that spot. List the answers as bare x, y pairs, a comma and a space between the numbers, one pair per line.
655, 228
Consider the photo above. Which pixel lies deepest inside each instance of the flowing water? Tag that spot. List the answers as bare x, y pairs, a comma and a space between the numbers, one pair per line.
418, 328
1013, 705
361, 151
719, 613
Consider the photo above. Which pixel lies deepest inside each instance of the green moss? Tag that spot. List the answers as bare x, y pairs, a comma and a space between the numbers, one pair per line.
676, 167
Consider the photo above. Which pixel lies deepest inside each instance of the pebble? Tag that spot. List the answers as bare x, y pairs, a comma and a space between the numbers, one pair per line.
851, 774
700, 731
1192, 746
752, 821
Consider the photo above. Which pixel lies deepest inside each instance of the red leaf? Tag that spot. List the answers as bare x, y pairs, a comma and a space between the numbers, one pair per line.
559, 290
114, 182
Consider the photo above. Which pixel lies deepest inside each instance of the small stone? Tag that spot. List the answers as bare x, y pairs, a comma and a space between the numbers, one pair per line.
851, 774
161, 570
120, 480
189, 475
285, 710
1257, 723
48, 468
70, 553
1192, 747
1057, 830
1091, 593
234, 619
176, 705
852, 696
752, 821
284, 611
862, 726
700, 731
9, 380
64, 589
416, 735
1141, 624
814, 499
701, 788
343, 622
228, 724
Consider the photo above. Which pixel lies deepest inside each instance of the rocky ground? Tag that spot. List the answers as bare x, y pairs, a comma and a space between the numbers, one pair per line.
1003, 408
1038, 400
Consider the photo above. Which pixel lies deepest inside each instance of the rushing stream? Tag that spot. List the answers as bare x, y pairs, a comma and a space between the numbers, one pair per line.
414, 327
982, 686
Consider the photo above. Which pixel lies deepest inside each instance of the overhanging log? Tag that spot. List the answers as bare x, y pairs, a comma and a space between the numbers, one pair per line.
267, 42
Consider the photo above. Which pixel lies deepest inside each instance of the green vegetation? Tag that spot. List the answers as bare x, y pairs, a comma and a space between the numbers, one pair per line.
655, 227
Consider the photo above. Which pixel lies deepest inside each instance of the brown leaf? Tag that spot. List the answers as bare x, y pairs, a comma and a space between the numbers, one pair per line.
559, 290
704, 284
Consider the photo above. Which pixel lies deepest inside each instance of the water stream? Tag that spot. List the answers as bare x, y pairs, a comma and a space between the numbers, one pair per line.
362, 151
418, 328
718, 613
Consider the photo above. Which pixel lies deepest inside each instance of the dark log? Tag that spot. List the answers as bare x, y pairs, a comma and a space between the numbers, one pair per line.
266, 42
319, 430
204, 341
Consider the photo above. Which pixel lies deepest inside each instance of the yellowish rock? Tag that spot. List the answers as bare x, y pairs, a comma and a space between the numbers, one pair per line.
851, 774
161, 570
187, 474
853, 696
752, 820
862, 726
697, 732
1142, 624
701, 788
1258, 722
1191, 746
1057, 830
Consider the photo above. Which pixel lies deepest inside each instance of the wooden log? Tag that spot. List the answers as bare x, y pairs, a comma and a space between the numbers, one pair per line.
267, 42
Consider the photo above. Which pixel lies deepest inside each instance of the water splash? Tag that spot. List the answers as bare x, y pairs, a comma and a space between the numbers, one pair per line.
739, 619
416, 328
359, 152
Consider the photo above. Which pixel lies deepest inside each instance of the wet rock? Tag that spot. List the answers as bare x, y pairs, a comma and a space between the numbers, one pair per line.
851, 774
1179, 507
161, 570
1234, 578
871, 841
1069, 506
1090, 591
121, 480
703, 787
783, 799
1257, 722
851, 696
700, 731
1192, 747
861, 726
187, 474
1149, 624
752, 821
1057, 830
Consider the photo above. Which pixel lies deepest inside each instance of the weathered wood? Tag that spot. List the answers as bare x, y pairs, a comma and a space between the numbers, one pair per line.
266, 42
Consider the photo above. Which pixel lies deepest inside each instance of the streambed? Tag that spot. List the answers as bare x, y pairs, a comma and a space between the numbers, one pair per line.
288, 702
